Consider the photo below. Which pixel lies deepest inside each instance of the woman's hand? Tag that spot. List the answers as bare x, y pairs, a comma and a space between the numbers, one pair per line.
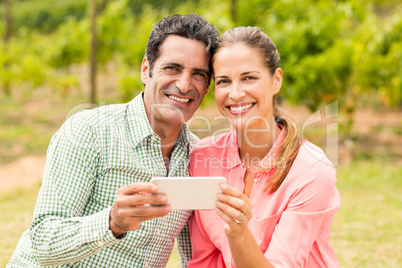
235, 209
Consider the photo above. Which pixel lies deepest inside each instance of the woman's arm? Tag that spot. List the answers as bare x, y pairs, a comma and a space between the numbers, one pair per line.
245, 251
304, 225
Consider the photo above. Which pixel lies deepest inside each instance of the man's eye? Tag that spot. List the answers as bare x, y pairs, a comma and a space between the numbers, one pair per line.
200, 76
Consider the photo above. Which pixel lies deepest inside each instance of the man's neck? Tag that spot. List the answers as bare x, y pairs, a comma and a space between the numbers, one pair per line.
168, 135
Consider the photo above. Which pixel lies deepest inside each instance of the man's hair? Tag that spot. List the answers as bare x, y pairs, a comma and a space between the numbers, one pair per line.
191, 26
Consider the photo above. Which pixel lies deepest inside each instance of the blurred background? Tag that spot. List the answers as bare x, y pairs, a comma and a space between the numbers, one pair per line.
342, 64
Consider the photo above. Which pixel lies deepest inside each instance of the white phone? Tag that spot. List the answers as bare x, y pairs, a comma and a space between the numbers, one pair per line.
190, 193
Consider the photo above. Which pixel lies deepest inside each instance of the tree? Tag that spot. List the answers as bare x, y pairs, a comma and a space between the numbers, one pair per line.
7, 35
93, 50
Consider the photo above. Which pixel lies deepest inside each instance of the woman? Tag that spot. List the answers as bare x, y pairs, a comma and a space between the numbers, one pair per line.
277, 207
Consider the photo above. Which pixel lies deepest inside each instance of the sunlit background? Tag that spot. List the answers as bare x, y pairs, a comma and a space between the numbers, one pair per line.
342, 83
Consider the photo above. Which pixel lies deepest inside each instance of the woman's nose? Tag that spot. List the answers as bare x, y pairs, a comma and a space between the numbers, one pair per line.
236, 93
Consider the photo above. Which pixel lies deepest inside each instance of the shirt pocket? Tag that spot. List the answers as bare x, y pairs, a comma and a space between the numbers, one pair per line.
263, 228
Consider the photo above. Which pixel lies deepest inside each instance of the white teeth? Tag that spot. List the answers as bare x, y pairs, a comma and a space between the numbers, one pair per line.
178, 99
240, 108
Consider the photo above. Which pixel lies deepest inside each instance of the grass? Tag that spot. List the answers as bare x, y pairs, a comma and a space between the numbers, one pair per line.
366, 230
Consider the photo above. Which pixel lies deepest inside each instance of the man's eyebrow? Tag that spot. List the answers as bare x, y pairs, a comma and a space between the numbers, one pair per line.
201, 70
174, 64
179, 66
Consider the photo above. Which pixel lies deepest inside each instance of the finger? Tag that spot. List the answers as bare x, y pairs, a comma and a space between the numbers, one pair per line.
235, 202
145, 212
140, 200
224, 216
228, 190
138, 187
230, 211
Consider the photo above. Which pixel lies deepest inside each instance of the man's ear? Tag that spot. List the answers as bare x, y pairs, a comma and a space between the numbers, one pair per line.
144, 70
277, 80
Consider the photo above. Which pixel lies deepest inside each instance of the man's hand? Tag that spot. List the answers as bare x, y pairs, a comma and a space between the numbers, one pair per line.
130, 208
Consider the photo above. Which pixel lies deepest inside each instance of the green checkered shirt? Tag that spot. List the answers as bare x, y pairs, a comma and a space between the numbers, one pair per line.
93, 154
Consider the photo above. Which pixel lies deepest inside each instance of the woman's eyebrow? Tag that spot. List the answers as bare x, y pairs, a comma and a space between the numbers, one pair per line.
221, 76
246, 73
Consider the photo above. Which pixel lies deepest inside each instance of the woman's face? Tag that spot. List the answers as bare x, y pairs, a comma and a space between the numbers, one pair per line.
244, 87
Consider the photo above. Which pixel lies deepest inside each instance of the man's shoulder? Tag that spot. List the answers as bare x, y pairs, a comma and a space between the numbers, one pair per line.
102, 115
96, 119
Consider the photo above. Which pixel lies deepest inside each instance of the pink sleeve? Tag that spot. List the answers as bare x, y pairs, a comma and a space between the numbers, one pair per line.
307, 220
204, 252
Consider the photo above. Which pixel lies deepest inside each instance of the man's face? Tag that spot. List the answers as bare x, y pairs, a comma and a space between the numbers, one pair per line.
179, 81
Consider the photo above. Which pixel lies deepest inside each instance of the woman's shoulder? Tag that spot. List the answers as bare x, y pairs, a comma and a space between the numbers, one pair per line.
311, 166
311, 155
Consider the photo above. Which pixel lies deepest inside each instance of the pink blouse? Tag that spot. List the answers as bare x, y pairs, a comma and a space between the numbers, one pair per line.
292, 226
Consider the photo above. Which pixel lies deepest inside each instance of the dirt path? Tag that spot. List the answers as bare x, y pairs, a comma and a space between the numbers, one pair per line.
24, 172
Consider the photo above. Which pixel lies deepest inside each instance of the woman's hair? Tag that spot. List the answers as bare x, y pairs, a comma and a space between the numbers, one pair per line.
253, 37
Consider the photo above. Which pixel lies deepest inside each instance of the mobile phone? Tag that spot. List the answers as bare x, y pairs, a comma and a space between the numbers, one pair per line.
190, 193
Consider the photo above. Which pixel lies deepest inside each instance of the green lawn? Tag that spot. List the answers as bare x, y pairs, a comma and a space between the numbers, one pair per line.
366, 230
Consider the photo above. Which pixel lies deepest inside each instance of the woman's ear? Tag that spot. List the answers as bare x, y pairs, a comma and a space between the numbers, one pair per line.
277, 80
144, 70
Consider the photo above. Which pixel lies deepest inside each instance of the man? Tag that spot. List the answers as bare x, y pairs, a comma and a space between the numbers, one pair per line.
96, 207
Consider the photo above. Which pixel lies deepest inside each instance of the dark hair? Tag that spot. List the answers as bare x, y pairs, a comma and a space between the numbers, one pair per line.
253, 37
191, 26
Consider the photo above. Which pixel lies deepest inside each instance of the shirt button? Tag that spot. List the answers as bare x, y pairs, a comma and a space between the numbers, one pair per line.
162, 164
100, 243
153, 137
146, 265
158, 232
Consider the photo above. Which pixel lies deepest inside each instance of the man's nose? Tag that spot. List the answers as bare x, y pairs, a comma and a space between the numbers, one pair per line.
184, 82
236, 93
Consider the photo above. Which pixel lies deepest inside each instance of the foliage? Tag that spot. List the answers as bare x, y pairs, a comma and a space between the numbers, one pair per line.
45, 15
331, 50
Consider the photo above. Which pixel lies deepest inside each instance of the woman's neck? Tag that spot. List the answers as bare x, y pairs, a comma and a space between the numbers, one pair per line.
255, 143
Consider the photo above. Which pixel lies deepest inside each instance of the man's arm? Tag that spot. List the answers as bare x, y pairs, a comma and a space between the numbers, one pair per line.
184, 245
59, 234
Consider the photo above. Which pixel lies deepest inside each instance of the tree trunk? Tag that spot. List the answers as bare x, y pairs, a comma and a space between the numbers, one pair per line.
93, 51
6, 38
233, 10
103, 5
7, 20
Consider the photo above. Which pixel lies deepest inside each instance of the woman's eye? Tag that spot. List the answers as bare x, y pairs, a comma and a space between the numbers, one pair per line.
222, 82
249, 78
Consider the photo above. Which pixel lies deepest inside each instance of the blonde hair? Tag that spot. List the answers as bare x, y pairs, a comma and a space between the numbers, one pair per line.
285, 155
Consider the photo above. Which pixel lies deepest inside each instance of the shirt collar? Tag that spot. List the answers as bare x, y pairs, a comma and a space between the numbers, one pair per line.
139, 127
233, 150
